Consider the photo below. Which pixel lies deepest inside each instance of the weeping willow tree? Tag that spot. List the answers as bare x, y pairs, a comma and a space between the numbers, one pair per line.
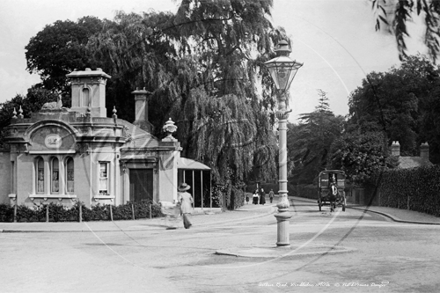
137, 53
204, 66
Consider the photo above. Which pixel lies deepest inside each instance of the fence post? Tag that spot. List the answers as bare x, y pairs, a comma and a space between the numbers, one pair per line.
132, 211
80, 211
47, 213
111, 212
15, 212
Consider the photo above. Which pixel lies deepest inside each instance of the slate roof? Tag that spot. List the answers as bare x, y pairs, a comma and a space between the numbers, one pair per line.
189, 164
139, 138
413, 162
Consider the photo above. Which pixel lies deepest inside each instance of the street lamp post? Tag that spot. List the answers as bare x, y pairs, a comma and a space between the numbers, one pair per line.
283, 70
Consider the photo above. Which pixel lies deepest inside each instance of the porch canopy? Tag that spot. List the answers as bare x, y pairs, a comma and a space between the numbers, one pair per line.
198, 175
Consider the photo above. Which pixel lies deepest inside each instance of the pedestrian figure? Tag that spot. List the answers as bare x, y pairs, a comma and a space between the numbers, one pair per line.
247, 198
262, 196
255, 197
271, 194
186, 204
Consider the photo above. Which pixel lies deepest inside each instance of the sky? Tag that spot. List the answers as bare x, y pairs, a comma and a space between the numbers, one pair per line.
335, 39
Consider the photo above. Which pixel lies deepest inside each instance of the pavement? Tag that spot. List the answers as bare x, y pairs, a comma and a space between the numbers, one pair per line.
212, 217
200, 217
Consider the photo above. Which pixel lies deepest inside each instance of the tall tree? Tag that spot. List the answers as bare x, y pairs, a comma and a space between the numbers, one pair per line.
138, 54
309, 142
360, 155
225, 122
60, 48
396, 102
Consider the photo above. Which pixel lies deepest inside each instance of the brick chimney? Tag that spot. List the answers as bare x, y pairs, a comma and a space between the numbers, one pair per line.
395, 149
424, 151
141, 108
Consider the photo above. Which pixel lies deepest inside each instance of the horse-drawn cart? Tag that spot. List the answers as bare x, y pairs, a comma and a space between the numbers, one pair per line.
331, 184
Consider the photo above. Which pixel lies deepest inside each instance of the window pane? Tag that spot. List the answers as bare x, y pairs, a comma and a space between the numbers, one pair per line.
70, 174
103, 178
40, 175
55, 176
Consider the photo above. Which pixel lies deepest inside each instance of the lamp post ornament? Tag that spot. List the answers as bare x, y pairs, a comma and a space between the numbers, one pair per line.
282, 70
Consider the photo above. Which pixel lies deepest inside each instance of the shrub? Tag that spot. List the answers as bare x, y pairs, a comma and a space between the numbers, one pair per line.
59, 213
6, 213
122, 212
26, 214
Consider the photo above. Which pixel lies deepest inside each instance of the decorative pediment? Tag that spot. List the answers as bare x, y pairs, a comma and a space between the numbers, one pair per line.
51, 138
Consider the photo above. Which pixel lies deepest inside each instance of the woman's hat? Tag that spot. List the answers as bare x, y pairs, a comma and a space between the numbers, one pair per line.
183, 187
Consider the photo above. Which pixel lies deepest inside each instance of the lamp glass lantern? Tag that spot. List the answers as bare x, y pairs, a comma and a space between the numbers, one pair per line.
281, 68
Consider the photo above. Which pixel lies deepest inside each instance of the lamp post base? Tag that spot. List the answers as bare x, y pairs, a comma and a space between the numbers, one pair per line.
283, 227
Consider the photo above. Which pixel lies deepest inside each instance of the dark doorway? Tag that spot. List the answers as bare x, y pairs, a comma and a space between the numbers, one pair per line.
141, 184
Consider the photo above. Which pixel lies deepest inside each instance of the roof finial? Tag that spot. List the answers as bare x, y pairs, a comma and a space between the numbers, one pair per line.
20, 113
169, 128
114, 112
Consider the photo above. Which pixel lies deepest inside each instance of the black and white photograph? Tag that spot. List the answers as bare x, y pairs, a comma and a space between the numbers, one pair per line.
212, 146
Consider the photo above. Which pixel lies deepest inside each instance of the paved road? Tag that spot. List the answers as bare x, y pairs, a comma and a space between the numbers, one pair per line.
141, 256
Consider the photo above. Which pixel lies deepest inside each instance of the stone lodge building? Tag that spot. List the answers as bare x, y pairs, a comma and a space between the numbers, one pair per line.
78, 154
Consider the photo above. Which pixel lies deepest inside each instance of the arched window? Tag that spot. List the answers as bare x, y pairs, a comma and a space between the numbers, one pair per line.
69, 175
40, 174
55, 180
85, 97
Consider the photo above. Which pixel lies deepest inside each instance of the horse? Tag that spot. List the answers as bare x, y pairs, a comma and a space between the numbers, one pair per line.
333, 196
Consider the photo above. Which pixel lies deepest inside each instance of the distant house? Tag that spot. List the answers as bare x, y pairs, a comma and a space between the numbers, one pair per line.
406, 162
363, 196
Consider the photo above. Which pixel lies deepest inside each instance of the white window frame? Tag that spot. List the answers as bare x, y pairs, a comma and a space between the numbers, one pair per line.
38, 159
52, 169
106, 178
66, 170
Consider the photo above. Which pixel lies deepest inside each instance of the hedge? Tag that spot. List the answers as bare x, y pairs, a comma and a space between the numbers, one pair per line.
416, 189
307, 191
59, 213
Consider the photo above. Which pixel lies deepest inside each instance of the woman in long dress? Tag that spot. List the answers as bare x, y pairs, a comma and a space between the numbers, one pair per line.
186, 203
255, 197
262, 196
